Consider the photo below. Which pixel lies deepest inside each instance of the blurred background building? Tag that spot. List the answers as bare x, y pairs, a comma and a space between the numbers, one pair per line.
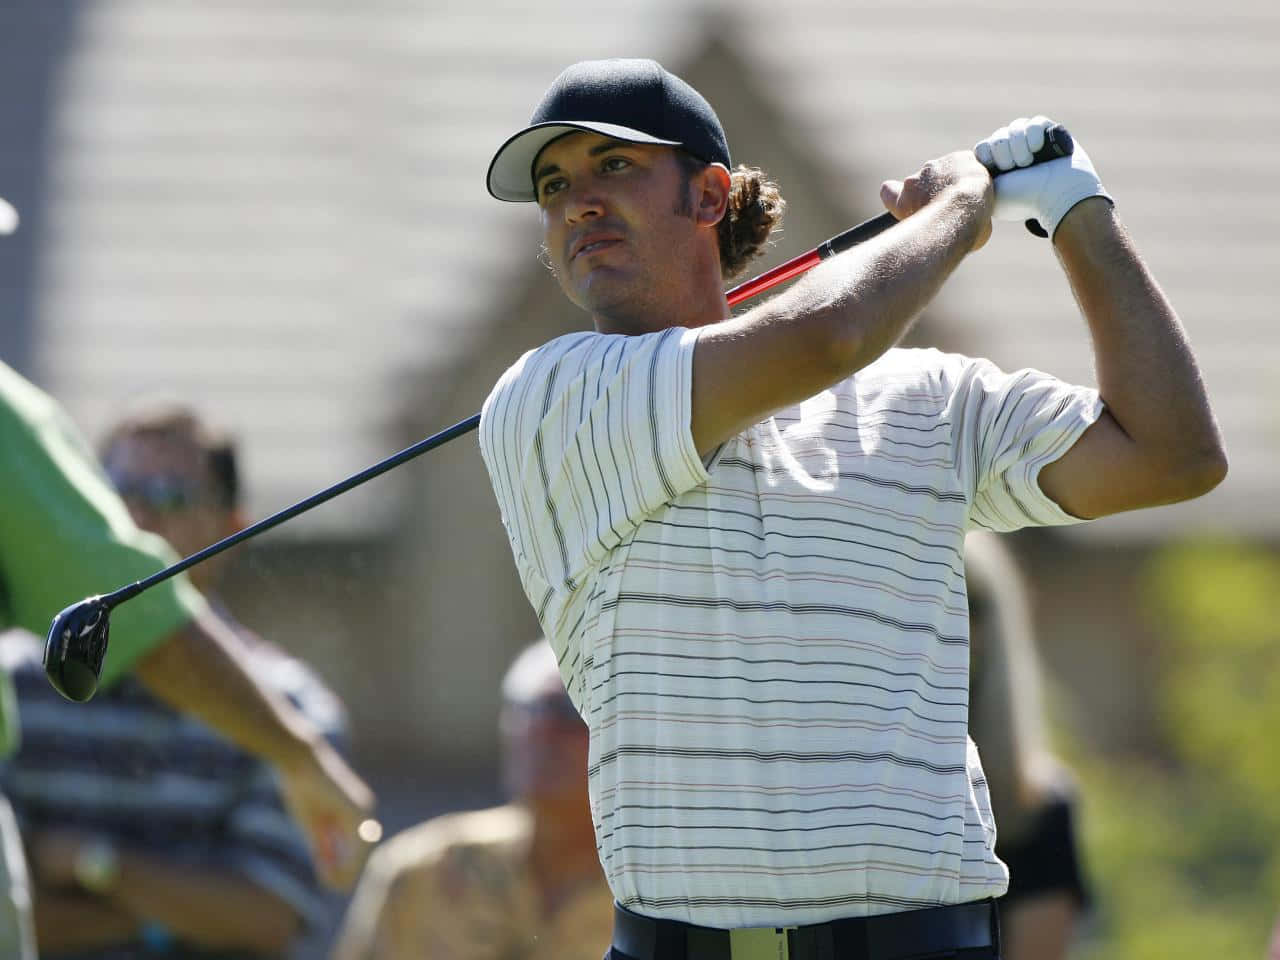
276, 212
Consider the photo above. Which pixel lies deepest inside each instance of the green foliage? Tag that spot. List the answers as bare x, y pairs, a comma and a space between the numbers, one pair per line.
1185, 854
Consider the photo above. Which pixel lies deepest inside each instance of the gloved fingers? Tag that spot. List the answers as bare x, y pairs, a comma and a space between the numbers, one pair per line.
1037, 127
1002, 149
994, 151
1018, 146
982, 150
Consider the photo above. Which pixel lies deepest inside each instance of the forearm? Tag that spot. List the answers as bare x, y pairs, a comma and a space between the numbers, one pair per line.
867, 300
1147, 374
68, 922
831, 323
211, 908
202, 670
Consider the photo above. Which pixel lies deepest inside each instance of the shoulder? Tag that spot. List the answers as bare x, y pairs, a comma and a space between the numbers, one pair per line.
924, 361
501, 832
541, 361
556, 366
924, 371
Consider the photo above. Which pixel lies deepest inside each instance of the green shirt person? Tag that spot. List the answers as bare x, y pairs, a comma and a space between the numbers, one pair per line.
64, 535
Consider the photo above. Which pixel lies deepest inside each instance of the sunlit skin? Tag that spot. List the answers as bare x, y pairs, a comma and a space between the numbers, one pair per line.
618, 240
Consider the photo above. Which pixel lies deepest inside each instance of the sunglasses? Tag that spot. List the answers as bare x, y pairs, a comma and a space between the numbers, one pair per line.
168, 493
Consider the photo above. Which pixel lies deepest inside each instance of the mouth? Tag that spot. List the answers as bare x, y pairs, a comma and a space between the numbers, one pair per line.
593, 243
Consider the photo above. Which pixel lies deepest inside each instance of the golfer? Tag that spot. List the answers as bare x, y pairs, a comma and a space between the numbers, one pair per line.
743, 535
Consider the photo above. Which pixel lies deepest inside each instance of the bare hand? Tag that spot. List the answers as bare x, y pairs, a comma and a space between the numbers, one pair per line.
958, 175
334, 808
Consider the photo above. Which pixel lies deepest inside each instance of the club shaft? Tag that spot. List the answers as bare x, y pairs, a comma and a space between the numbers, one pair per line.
302, 506
807, 261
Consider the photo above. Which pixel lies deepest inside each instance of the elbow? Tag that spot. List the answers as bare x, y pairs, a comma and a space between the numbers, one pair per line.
1198, 474
1212, 469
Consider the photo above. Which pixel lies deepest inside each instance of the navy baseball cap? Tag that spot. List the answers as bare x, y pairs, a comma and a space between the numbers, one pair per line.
632, 100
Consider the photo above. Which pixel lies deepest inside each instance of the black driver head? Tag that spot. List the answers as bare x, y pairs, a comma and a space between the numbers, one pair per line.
76, 646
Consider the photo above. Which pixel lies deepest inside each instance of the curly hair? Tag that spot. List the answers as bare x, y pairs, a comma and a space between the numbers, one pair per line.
755, 209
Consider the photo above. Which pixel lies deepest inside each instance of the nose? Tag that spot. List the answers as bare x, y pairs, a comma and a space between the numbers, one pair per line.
583, 203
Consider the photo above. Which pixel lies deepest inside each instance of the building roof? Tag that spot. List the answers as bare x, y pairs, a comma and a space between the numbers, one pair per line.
279, 211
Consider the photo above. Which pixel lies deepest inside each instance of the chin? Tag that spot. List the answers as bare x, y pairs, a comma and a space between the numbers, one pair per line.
618, 296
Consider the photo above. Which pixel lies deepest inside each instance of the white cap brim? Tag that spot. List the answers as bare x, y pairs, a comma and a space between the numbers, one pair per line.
510, 174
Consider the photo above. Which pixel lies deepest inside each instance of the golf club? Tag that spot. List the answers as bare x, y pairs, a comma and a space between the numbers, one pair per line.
78, 636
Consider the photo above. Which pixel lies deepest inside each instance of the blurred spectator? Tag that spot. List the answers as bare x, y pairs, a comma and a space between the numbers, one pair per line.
1031, 793
1274, 952
145, 831
517, 882
65, 535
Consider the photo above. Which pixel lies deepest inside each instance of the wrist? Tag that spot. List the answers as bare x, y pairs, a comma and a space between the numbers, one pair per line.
1082, 227
971, 213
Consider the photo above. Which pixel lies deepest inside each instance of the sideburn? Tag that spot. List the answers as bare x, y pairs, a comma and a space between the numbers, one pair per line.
684, 200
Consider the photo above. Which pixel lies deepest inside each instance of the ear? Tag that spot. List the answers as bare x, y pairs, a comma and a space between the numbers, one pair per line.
711, 203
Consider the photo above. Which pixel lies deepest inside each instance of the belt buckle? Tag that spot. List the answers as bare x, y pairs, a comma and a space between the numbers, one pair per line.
760, 943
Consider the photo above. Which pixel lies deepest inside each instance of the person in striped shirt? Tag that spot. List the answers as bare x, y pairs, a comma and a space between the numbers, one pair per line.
148, 832
743, 536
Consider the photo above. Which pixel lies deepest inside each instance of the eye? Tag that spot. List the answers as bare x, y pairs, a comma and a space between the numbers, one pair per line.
612, 164
550, 186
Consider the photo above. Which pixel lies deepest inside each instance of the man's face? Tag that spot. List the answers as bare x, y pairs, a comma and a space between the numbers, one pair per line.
165, 482
616, 221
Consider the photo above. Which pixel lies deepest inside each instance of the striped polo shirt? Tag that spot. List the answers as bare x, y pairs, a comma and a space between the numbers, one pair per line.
771, 646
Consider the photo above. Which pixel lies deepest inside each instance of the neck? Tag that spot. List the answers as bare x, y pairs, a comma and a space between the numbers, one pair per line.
696, 302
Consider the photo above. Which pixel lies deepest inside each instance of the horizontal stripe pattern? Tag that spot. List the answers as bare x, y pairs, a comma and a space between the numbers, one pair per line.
771, 648
128, 766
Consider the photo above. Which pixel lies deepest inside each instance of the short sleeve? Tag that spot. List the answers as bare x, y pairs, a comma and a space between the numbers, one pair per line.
65, 535
1006, 428
584, 439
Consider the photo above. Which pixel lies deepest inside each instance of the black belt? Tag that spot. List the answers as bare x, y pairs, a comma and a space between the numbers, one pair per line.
911, 935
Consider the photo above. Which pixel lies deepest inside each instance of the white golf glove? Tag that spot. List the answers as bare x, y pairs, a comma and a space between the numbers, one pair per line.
1044, 192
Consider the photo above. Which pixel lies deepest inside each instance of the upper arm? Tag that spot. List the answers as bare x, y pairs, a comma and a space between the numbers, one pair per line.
584, 440
1105, 472
746, 368
1007, 429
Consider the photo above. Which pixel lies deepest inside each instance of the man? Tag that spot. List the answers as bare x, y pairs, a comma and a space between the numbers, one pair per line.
743, 535
64, 534
517, 882
147, 832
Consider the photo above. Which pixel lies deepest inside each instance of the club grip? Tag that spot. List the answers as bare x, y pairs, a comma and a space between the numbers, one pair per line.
1057, 143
